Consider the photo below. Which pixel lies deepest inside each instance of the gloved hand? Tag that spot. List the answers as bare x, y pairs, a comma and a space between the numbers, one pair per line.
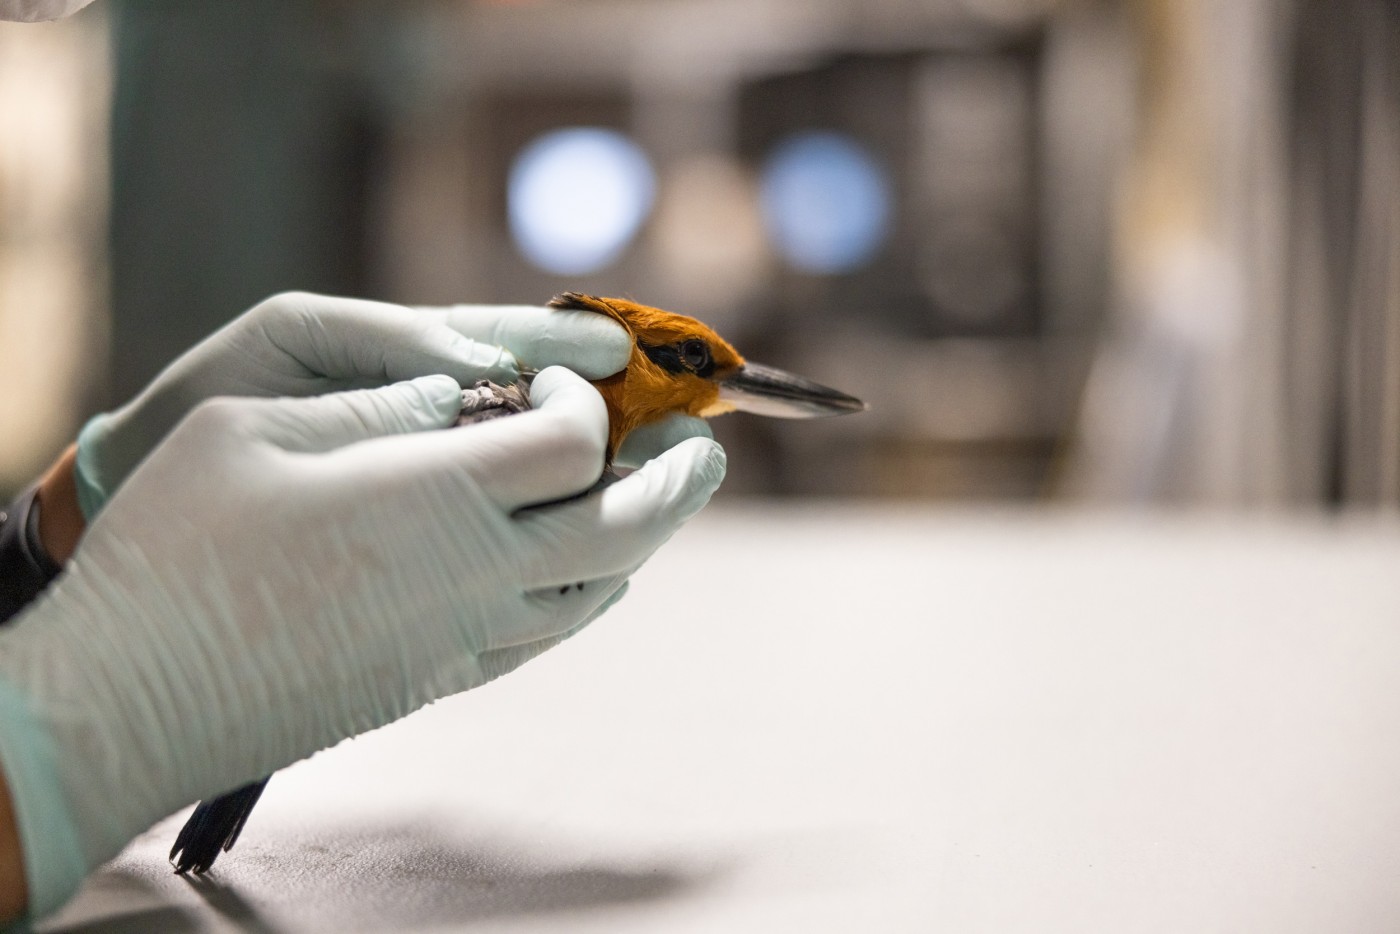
299, 344
280, 574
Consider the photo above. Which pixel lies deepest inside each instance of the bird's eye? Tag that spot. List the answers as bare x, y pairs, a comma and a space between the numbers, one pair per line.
695, 354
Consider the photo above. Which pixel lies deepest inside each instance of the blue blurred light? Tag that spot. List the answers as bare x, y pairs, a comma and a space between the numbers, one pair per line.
826, 202
576, 197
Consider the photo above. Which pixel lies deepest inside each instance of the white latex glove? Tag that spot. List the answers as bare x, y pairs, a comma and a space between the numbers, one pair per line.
281, 574
300, 344
34, 11
648, 441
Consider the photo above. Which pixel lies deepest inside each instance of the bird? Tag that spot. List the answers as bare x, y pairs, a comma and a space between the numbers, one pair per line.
677, 364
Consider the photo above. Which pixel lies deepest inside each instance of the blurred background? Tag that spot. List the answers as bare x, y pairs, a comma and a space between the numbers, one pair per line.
1104, 251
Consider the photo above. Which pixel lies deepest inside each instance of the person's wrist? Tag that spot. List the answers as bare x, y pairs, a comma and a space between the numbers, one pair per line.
61, 522
14, 891
39, 831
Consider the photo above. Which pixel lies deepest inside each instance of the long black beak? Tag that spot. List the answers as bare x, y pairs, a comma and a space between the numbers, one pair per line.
765, 390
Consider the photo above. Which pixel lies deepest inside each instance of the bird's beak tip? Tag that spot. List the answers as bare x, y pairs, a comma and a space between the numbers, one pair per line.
766, 390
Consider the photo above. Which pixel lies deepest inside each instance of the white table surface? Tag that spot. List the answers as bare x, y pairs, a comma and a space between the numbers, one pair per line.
847, 719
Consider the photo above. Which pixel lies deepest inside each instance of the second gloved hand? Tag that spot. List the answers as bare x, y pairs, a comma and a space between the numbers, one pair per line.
301, 344
281, 574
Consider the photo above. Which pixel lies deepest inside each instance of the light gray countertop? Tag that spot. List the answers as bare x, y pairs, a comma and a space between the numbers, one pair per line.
839, 719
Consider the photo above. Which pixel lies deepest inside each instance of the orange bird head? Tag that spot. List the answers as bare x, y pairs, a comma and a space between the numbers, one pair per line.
680, 365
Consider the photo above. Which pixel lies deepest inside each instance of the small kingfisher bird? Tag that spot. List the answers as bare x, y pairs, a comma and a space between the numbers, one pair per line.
677, 365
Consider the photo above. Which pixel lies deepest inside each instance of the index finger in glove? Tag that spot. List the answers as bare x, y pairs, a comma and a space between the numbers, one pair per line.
618, 528
369, 343
553, 451
324, 423
590, 344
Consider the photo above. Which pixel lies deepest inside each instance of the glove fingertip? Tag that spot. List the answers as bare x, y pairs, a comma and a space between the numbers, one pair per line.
592, 345
707, 469
614, 349
91, 495
714, 462
480, 360
441, 399
650, 441
690, 473
440, 389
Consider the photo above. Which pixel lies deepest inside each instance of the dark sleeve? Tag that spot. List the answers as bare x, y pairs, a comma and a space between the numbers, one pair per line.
25, 569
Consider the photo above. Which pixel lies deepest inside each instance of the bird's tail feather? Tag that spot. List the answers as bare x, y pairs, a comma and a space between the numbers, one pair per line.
214, 827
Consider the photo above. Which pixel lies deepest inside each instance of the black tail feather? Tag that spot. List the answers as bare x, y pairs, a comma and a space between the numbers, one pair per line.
213, 827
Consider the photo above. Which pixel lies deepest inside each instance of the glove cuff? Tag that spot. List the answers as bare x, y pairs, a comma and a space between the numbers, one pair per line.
91, 494
54, 866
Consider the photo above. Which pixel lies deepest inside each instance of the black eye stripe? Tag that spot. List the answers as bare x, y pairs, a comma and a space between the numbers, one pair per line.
673, 357
666, 356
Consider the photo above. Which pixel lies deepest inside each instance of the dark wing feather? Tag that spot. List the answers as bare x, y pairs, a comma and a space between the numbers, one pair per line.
213, 828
